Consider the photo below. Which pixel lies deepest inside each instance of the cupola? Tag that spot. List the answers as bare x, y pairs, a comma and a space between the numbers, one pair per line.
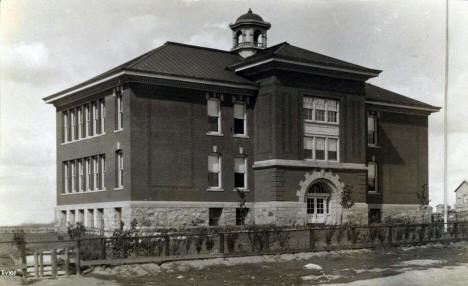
249, 34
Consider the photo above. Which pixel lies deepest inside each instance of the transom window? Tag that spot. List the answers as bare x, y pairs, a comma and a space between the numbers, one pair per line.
320, 110
318, 199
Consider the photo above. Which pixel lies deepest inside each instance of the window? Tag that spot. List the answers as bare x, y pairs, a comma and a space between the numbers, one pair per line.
120, 169
318, 199
240, 119
88, 129
214, 171
214, 216
241, 215
319, 148
118, 216
103, 172
308, 147
73, 124
320, 110
65, 127
66, 182
81, 177
95, 118
240, 172
119, 112
372, 177
95, 173
214, 116
73, 178
371, 129
332, 152
88, 174
103, 114
80, 122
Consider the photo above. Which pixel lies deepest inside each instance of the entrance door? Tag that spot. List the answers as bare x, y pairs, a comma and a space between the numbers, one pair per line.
318, 201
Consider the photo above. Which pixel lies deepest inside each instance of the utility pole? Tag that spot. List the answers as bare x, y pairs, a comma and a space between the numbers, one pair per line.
445, 110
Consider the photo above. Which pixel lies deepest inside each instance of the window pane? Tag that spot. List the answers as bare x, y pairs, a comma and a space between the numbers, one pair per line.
213, 163
239, 180
332, 149
320, 148
319, 115
332, 105
308, 115
239, 110
332, 116
310, 205
320, 206
308, 102
213, 180
370, 123
238, 126
308, 143
213, 124
239, 165
213, 107
371, 176
319, 103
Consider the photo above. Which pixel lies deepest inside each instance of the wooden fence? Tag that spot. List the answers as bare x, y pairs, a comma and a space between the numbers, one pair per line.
213, 243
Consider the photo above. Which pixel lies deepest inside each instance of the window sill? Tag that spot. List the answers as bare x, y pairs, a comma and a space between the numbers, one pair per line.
241, 136
321, 161
118, 188
83, 139
373, 146
321, 122
214, 134
373, 193
215, 190
84, 192
241, 190
118, 130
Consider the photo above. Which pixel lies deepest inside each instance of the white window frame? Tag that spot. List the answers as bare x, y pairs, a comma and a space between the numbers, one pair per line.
376, 176
245, 172
80, 175
80, 122
65, 126
73, 176
95, 117
73, 124
244, 119
220, 172
218, 102
66, 172
87, 119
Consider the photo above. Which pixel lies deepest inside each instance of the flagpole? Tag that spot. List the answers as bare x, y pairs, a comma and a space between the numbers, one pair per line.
445, 110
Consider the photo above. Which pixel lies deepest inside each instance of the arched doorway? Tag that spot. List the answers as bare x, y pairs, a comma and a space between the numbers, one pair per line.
318, 202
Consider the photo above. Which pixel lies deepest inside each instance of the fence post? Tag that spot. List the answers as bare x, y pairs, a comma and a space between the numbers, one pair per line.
312, 238
67, 261
221, 242
54, 262
166, 248
41, 264
36, 261
77, 258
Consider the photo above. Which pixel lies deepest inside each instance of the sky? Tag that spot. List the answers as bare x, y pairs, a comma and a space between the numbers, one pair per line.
49, 45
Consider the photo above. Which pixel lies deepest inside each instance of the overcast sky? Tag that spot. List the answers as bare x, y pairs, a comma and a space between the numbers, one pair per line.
49, 45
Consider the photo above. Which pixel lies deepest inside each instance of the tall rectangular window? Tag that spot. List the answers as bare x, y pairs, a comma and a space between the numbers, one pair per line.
119, 125
80, 175
372, 176
95, 173
240, 172
332, 111
103, 114
214, 214
214, 115
88, 129
320, 148
332, 150
371, 129
73, 124
65, 126
240, 119
73, 176
120, 169
319, 109
80, 122
214, 171
88, 174
66, 176
95, 118
103, 172
308, 147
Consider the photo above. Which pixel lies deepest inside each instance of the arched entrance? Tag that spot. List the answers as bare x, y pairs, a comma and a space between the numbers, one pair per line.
318, 202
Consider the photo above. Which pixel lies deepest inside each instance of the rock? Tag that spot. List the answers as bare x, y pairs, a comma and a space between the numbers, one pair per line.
180, 277
311, 266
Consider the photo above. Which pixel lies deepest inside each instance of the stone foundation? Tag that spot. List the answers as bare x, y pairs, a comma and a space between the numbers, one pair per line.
412, 212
